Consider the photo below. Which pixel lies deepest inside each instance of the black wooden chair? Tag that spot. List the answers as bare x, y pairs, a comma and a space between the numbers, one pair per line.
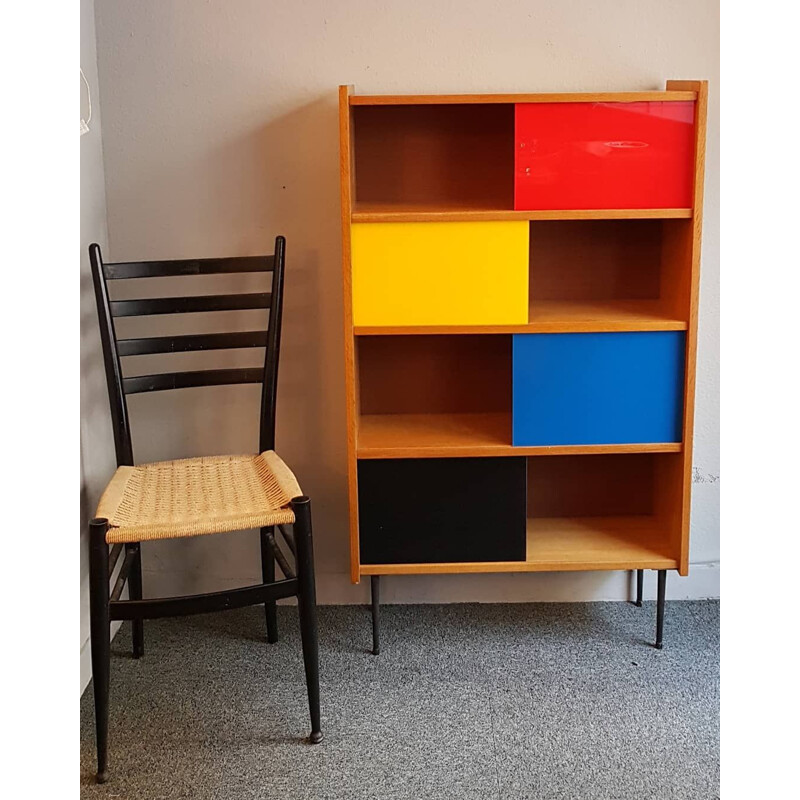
200, 495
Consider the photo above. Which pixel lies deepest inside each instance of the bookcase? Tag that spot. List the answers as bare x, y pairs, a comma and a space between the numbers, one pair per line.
520, 307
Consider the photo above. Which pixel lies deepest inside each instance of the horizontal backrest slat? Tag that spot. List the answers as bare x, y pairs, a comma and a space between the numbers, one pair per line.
183, 305
185, 380
194, 266
184, 344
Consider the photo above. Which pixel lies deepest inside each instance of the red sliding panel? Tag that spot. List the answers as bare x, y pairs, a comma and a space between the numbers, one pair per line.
604, 155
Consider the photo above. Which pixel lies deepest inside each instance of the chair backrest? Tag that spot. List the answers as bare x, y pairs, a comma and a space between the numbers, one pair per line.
115, 349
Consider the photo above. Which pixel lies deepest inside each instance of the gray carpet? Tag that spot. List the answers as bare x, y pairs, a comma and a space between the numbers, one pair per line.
533, 701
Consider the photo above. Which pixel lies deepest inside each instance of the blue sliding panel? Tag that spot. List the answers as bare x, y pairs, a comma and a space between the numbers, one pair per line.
597, 388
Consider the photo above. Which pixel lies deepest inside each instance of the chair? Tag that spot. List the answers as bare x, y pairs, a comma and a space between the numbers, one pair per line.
195, 496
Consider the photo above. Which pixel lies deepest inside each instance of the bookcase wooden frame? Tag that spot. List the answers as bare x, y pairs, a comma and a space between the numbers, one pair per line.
588, 543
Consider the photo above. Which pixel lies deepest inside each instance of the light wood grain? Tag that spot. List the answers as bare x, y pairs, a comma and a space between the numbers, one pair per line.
485, 435
613, 542
480, 212
557, 316
701, 89
562, 316
346, 179
433, 435
546, 97
566, 544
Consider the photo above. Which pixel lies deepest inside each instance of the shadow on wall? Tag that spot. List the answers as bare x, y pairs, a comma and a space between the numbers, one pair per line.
96, 434
97, 460
87, 511
279, 178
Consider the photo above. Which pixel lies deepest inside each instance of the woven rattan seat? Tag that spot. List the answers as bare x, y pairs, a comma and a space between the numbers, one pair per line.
194, 496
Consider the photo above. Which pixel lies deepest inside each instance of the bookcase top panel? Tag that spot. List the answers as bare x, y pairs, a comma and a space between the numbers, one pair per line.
546, 97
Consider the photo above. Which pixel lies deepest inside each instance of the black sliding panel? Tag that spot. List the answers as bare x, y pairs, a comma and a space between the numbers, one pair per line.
434, 510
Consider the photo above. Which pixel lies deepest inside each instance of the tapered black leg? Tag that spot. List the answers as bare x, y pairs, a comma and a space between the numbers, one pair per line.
639, 586
101, 637
268, 576
662, 592
375, 588
135, 593
307, 606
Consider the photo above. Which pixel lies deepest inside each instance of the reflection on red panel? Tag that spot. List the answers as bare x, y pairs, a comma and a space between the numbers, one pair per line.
604, 155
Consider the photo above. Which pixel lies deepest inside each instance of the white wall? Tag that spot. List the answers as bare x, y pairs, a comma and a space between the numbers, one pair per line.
221, 132
97, 444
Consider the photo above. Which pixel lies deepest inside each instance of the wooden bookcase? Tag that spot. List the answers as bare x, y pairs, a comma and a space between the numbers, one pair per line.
520, 305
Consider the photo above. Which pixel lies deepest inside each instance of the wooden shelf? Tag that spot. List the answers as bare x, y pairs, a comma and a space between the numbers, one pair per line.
542, 97
561, 316
578, 543
432, 435
449, 212
557, 544
464, 435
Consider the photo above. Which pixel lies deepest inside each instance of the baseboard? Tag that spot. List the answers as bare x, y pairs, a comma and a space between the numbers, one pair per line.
702, 583
334, 588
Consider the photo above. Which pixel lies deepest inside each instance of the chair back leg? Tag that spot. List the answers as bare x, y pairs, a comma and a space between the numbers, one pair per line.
307, 606
268, 576
100, 622
135, 593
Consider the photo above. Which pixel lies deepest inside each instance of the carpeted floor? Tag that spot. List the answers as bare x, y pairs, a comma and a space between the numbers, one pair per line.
532, 701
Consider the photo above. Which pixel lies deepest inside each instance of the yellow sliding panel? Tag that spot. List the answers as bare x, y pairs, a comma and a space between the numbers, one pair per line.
440, 273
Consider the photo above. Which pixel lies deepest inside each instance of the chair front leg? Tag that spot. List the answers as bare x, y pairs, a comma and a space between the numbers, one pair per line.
100, 623
268, 576
307, 606
135, 593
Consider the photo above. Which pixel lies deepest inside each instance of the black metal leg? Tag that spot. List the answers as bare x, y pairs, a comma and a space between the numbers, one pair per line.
662, 591
307, 605
135, 593
639, 586
101, 637
268, 576
375, 588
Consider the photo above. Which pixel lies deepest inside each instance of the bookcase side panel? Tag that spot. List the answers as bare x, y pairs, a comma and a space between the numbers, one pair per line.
346, 183
699, 160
